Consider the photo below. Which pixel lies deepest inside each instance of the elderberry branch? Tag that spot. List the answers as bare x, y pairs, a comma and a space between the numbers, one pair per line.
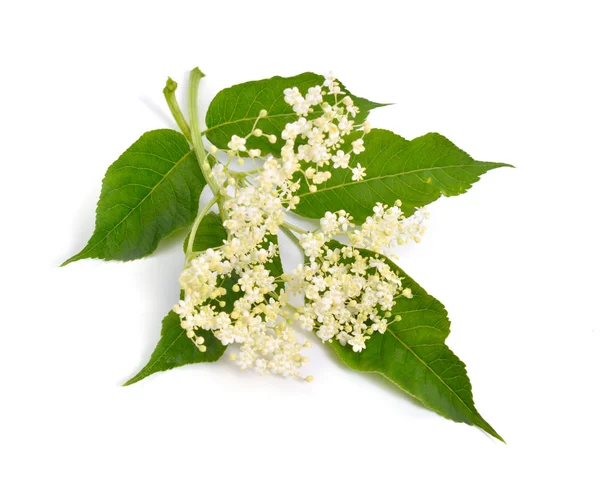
195, 76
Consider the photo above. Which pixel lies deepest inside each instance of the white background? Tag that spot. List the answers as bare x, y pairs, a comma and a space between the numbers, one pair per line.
515, 260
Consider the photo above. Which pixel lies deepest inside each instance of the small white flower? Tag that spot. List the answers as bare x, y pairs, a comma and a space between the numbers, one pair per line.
350, 107
358, 173
345, 125
237, 144
329, 81
329, 223
312, 243
314, 96
321, 177
358, 146
219, 174
352, 110
358, 343
292, 95
340, 159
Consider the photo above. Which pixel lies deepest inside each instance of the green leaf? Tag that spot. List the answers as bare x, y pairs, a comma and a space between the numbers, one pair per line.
175, 349
275, 267
235, 110
415, 171
210, 234
150, 191
412, 354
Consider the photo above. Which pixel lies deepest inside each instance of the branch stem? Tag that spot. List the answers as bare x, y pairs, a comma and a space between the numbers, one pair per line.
294, 228
169, 92
291, 236
190, 246
195, 76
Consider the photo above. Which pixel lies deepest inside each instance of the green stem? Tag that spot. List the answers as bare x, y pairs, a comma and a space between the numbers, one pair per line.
190, 245
243, 174
294, 228
275, 296
169, 92
195, 76
292, 236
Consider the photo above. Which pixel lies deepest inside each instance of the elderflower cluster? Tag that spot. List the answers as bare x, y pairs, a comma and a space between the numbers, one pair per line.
257, 320
230, 291
388, 227
320, 140
345, 292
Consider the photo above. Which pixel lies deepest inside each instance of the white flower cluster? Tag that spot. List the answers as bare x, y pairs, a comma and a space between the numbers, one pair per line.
230, 291
388, 227
258, 319
322, 137
345, 292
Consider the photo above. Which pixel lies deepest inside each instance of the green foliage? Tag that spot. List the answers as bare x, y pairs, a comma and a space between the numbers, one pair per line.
210, 234
154, 188
150, 191
235, 110
415, 171
412, 354
175, 349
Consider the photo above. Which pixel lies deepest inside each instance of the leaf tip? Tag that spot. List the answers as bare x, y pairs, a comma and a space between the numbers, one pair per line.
503, 165
378, 105
494, 434
132, 380
70, 260
486, 427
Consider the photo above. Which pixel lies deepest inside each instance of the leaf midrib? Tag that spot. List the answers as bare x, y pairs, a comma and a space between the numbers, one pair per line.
145, 371
432, 371
419, 170
246, 119
133, 209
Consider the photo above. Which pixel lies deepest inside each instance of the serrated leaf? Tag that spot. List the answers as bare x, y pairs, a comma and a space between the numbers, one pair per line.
235, 110
412, 354
149, 192
175, 349
415, 171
